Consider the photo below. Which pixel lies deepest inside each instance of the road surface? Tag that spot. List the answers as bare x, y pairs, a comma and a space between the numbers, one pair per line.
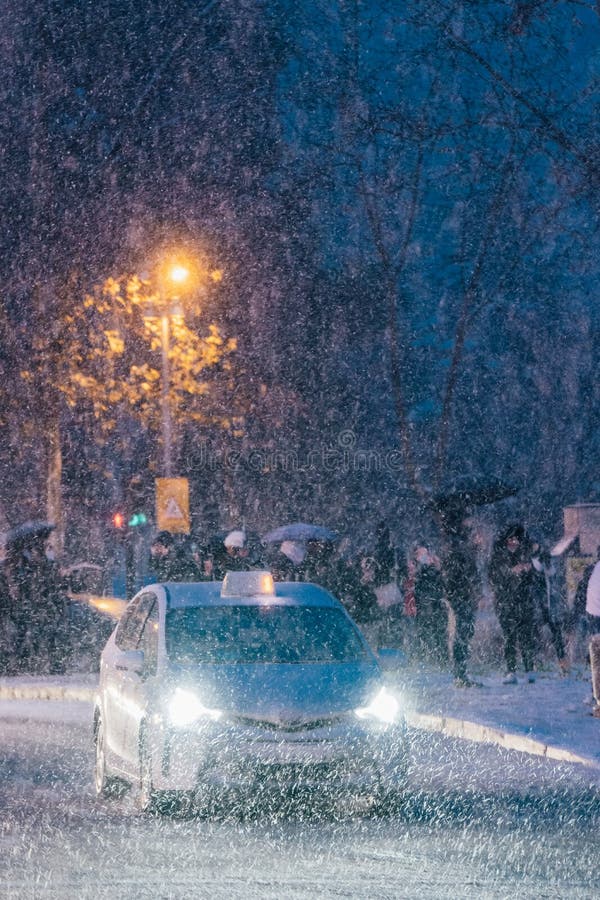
479, 823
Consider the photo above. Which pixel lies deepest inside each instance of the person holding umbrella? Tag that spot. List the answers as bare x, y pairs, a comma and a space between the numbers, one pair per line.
453, 509
286, 561
318, 545
461, 583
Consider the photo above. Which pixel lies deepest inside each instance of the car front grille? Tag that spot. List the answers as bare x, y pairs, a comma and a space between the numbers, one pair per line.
289, 727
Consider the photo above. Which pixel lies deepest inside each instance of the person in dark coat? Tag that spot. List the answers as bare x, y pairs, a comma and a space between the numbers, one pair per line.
286, 561
461, 583
320, 565
512, 578
35, 603
169, 562
231, 554
6, 626
361, 590
431, 619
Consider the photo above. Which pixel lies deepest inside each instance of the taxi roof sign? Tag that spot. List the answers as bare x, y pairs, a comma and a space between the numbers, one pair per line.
248, 584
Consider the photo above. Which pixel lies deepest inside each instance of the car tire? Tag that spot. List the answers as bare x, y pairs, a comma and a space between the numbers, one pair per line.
105, 784
391, 793
149, 800
389, 801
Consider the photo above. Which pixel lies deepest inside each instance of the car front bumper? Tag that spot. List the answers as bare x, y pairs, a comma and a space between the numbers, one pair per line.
234, 756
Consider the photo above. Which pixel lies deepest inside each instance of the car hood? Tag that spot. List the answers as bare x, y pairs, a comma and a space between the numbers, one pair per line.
280, 693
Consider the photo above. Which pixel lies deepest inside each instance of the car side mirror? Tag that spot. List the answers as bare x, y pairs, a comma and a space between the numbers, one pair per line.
390, 659
132, 661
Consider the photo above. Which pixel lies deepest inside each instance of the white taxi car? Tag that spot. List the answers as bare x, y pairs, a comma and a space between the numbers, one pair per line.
212, 686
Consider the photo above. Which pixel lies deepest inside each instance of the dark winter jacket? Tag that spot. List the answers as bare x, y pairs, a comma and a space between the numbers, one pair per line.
428, 589
581, 594
343, 579
175, 566
461, 578
512, 588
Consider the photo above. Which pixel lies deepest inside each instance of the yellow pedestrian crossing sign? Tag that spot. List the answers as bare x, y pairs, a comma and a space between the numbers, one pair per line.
173, 505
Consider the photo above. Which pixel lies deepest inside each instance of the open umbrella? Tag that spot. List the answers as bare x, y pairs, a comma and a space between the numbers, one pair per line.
465, 494
28, 533
456, 504
300, 531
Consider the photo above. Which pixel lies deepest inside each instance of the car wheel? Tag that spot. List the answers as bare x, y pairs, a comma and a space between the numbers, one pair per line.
391, 791
150, 800
389, 801
105, 784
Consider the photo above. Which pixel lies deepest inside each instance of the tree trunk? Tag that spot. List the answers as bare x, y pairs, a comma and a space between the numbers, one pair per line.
53, 488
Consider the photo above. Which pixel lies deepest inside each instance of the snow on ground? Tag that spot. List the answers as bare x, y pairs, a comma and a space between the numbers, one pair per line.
479, 822
555, 710
64, 711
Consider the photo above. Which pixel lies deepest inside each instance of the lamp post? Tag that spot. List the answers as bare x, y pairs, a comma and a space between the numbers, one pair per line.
175, 277
178, 274
167, 434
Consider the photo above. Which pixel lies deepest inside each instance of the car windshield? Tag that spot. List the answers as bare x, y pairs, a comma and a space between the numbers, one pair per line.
261, 634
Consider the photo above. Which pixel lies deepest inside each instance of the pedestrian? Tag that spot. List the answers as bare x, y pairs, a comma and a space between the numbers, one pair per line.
7, 662
35, 601
320, 566
576, 620
543, 574
431, 613
168, 562
461, 583
592, 601
199, 560
232, 555
592, 609
380, 571
512, 576
388, 574
355, 589
286, 561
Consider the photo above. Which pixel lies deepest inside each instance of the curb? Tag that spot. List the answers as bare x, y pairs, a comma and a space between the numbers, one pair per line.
487, 734
46, 692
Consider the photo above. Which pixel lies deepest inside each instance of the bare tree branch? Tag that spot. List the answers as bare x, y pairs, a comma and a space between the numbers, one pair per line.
470, 293
588, 162
391, 273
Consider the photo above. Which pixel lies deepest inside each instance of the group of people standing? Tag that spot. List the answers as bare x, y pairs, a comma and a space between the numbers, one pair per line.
426, 603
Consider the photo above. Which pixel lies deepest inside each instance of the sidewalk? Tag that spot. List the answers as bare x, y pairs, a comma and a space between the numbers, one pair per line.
78, 686
550, 718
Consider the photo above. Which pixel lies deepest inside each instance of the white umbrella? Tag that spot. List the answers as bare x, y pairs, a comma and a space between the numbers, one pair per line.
300, 531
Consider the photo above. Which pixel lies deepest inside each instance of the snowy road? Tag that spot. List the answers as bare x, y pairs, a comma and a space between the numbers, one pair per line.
480, 823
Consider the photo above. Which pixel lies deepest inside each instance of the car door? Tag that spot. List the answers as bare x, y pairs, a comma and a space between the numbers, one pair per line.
111, 679
137, 685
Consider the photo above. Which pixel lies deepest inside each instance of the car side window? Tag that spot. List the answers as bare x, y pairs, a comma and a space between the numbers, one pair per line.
124, 638
134, 618
148, 640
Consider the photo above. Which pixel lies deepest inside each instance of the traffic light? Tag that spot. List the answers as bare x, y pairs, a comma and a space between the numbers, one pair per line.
136, 500
138, 519
118, 520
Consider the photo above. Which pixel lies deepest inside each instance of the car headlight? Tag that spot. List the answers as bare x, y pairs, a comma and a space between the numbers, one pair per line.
383, 708
185, 708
